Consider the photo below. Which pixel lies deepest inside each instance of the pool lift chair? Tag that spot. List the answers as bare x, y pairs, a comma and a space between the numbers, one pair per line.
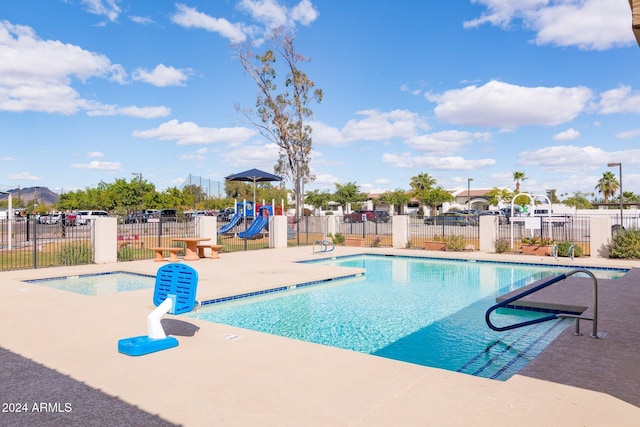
174, 293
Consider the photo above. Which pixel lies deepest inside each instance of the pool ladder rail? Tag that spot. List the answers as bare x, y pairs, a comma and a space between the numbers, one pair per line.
594, 318
324, 246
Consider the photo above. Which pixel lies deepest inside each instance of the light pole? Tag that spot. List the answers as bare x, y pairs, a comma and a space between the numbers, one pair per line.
612, 165
9, 219
469, 192
139, 175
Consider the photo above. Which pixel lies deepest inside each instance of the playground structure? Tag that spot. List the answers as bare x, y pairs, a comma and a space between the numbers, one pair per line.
245, 210
259, 223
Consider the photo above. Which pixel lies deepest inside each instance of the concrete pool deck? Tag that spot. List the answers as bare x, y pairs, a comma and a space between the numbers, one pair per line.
260, 379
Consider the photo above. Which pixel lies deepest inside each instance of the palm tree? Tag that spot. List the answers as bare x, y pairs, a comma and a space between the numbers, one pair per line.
607, 185
518, 177
421, 184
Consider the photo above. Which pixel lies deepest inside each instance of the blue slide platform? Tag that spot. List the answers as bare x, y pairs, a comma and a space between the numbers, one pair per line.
234, 221
256, 226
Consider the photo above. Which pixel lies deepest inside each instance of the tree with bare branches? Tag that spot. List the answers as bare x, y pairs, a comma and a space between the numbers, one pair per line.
282, 110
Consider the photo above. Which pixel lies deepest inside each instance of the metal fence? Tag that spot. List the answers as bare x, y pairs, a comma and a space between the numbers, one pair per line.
27, 243
373, 233
462, 235
136, 237
575, 230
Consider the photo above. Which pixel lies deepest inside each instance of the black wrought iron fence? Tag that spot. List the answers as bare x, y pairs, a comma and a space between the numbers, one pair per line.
27, 243
372, 233
456, 235
562, 230
136, 236
308, 229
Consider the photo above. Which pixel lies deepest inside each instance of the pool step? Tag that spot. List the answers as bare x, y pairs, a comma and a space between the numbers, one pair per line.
513, 350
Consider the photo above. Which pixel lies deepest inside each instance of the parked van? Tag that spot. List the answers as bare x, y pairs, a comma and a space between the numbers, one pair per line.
84, 217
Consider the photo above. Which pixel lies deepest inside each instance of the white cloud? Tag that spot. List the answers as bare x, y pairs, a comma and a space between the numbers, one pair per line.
37, 75
23, 176
252, 156
507, 106
131, 111
268, 15
190, 133
454, 163
189, 17
444, 142
587, 24
162, 76
104, 166
375, 126
304, 13
142, 20
620, 100
108, 8
95, 154
628, 134
575, 159
566, 135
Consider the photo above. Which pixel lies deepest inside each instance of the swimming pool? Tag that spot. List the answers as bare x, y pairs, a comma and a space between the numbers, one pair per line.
98, 284
428, 312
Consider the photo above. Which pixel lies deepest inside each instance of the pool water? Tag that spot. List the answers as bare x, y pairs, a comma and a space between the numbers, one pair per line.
99, 284
414, 310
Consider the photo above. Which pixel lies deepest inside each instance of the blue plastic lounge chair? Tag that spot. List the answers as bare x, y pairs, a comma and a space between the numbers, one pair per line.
174, 293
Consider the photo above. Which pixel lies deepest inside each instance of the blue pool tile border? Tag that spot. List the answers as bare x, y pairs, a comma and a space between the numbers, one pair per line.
277, 289
76, 276
479, 261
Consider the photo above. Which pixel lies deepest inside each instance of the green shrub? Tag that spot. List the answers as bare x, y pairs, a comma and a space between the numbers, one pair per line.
626, 244
337, 238
74, 253
501, 246
455, 242
125, 253
563, 249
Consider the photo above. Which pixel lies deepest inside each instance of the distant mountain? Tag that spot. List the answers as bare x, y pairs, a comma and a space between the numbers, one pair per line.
42, 194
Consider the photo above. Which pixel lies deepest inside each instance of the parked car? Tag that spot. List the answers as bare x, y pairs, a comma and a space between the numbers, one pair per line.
448, 219
225, 214
136, 218
367, 215
502, 219
168, 215
83, 217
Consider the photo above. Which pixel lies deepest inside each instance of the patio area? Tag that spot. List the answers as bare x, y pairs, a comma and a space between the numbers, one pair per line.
60, 349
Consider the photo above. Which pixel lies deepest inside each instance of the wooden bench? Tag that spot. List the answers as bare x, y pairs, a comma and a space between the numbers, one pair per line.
173, 253
214, 250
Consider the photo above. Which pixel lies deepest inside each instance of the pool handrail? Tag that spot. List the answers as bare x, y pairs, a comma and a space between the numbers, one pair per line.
325, 246
543, 285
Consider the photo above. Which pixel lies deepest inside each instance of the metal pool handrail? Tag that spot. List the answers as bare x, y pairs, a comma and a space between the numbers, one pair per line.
549, 282
325, 246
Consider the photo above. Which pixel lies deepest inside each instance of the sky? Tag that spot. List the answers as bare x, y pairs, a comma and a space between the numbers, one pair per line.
97, 90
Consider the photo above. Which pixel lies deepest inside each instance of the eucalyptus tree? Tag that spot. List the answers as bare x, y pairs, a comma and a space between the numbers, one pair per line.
518, 177
607, 185
282, 113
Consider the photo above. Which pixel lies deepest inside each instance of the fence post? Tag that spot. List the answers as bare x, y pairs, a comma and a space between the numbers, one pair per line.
400, 231
488, 232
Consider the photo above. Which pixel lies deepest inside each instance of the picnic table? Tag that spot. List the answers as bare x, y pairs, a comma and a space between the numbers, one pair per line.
191, 251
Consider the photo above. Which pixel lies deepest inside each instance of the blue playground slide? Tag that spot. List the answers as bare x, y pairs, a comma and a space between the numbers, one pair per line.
234, 220
256, 226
